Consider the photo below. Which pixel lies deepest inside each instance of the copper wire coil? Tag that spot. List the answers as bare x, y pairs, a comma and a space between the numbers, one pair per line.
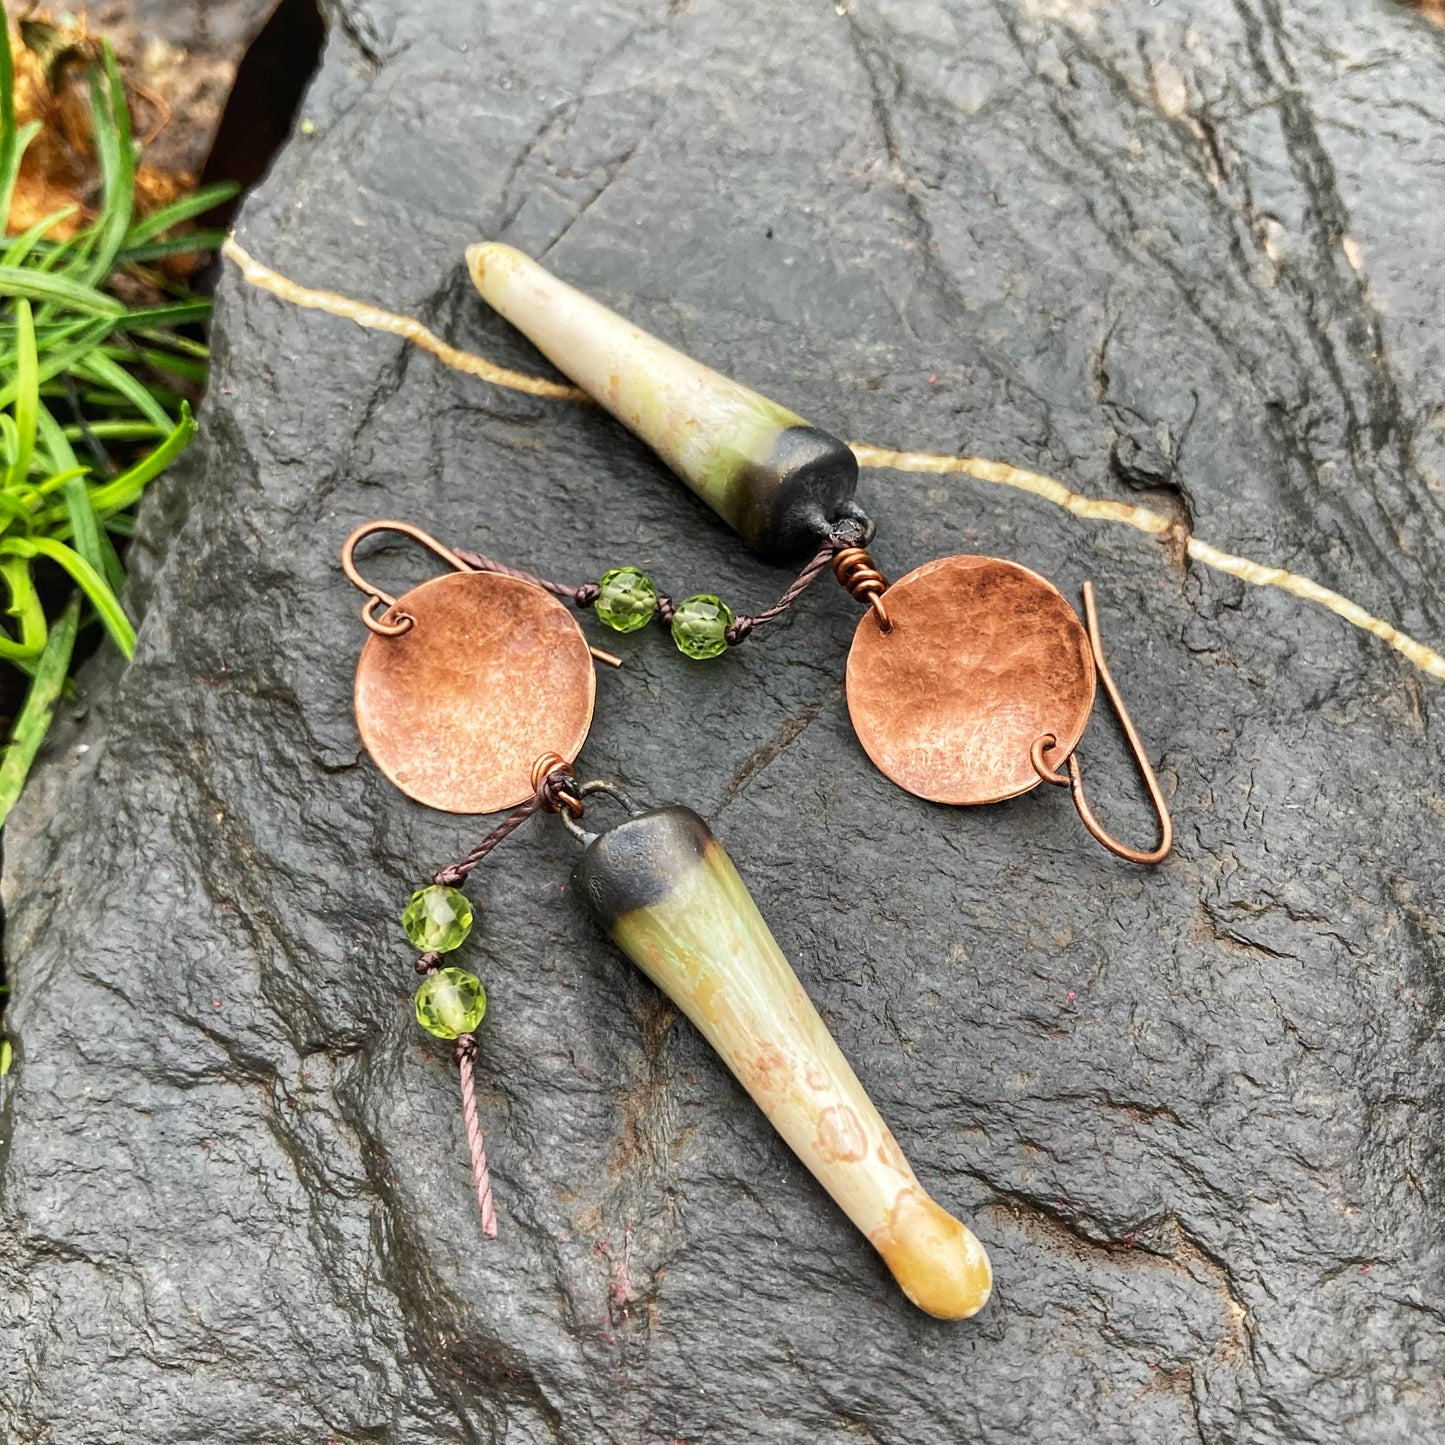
543, 769
856, 572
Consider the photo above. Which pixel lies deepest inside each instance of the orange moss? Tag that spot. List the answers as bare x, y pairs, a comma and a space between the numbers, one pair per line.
59, 168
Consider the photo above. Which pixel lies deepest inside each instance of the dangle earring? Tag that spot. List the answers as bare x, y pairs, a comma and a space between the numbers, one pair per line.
970, 680
474, 693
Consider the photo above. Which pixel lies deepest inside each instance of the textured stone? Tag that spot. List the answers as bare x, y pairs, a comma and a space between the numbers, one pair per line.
1194, 1114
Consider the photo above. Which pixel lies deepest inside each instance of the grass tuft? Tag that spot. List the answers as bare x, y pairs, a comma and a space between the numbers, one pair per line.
91, 401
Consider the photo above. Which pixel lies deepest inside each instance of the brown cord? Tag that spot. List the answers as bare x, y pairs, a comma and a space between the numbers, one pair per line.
738, 630
553, 794
741, 627
583, 596
465, 1055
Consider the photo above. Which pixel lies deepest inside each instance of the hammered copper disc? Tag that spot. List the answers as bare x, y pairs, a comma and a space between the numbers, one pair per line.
984, 657
493, 673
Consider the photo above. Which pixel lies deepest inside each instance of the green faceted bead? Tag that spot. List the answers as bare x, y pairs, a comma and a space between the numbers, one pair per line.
627, 599
437, 919
450, 1002
700, 624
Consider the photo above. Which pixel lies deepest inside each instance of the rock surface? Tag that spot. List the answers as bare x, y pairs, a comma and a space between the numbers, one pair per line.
1194, 1114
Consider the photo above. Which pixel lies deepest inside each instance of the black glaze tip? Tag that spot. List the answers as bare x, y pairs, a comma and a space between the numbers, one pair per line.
638, 862
789, 503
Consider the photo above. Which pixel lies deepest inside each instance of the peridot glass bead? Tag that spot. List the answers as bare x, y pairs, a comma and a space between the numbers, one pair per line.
450, 1002
626, 599
700, 625
437, 919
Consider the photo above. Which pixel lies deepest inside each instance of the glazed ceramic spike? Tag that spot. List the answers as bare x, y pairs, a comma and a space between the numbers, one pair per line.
777, 481
670, 897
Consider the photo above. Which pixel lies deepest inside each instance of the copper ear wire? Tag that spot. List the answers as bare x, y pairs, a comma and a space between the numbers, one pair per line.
404, 621
1073, 779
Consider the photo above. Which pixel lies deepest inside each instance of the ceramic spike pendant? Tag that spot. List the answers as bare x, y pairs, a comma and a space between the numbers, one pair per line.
474, 692
670, 897
971, 681
775, 479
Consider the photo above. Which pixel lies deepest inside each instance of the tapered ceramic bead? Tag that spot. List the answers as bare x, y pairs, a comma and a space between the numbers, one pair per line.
777, 480
670, 897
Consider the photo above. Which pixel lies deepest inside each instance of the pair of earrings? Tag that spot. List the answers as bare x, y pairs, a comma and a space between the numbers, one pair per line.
969, 681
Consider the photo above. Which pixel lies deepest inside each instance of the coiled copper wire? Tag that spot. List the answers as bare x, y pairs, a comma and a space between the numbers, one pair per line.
857, 573
543, 769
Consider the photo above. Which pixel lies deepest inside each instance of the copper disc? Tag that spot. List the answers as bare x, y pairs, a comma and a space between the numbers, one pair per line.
493, 673
984, 657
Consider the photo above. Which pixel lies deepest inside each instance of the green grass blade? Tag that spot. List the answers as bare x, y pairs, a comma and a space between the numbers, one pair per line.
24, 605
27, 241
27, 395
12, 141
41, 286
65, 257
62, 359
33, 721
17, 142
116, 155
120, 492
48, 334
182, 344
64, 337
171, 246
58, 359
81, 248
91, 396
110, 563
158, 360
179, 313
100, 369
120, 431
85, 533
95, 587
56, 481
7, 97
76, 518
14, 511
89, 537
196, 204
58, 451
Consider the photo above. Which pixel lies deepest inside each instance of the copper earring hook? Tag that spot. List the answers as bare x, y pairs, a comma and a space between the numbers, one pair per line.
1074, 778
375, 595
404, 620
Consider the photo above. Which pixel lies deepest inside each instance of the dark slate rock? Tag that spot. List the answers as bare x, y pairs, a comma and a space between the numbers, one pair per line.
1195, 1114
